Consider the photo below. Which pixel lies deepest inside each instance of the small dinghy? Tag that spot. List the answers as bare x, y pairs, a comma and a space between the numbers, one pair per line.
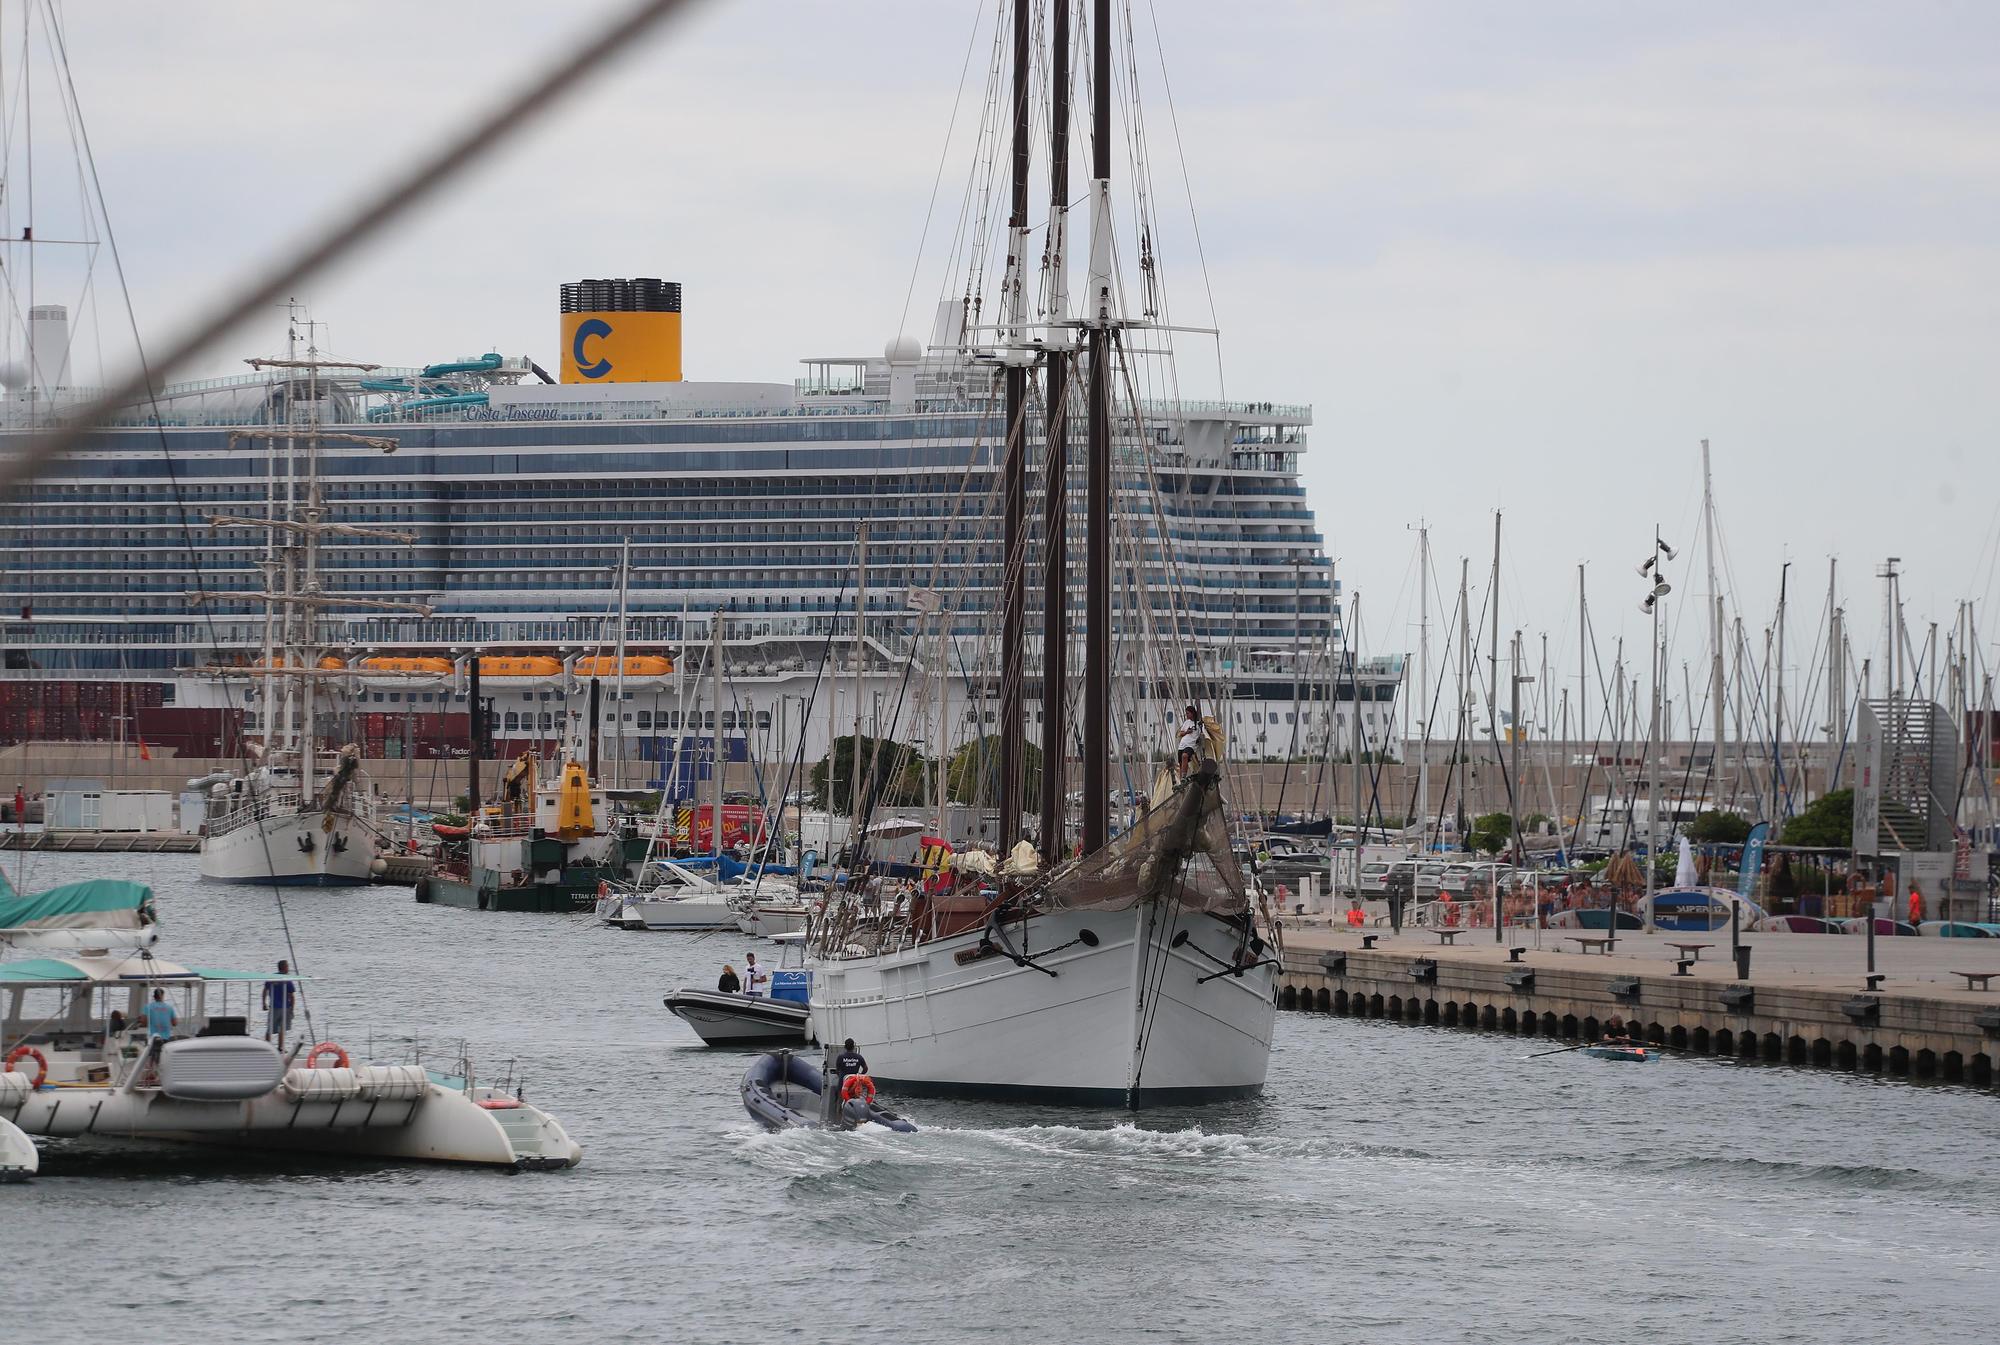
1619, 1050
784, 1091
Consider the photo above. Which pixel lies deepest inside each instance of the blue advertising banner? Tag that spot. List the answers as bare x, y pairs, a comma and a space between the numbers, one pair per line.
1753, 859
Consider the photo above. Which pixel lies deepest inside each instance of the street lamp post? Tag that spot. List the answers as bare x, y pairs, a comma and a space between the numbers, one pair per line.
1650, 569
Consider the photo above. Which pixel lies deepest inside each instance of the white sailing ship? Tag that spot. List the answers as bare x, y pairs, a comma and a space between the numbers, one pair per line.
300, 815
1137, 972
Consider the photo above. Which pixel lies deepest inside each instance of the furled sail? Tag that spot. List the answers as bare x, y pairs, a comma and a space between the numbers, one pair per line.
1179, 851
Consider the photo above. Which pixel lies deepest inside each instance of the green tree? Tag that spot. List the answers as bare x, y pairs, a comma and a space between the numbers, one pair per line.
1827, 822
973, 773
1491, 833
894, 770
1715, 827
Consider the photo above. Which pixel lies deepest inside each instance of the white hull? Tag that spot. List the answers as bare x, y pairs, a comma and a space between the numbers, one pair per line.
767, 921
19, 1159
1126, 1022
723, 1019
267, 850
688, 914
439, 1125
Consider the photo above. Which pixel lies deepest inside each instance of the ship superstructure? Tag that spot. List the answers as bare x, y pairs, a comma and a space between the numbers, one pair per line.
540, 508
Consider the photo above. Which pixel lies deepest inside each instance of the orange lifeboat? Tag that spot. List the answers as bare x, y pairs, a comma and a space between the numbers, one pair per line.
521, 669
440, 666
638, 669
328, 663
393, 670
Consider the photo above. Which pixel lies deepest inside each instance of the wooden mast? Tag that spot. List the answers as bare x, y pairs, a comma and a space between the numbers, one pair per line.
1097, 503
1014, 486
1055, 482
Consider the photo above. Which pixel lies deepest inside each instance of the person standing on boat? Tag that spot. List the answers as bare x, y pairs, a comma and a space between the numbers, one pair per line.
848, 1062
160, 1018
728, 983
279, 997
1190, 740
756, 981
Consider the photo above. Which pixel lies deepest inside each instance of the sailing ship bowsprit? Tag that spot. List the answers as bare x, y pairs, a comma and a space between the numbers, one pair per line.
1137, 971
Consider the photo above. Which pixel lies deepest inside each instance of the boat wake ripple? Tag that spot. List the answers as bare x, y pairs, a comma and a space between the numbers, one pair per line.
809, 1154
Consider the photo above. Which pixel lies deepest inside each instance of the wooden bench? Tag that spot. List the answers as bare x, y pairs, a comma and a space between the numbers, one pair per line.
1691, 951
1446, 934
1593, 944
1984, 979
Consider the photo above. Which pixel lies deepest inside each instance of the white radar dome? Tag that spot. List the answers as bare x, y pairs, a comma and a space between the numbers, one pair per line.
903, 350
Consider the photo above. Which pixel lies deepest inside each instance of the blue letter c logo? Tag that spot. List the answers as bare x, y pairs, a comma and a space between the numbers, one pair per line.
584, 331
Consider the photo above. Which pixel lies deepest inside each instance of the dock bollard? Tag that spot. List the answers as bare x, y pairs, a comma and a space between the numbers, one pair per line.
1742, 961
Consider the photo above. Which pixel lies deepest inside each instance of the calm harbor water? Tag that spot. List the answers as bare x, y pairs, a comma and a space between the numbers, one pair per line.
1393, 1184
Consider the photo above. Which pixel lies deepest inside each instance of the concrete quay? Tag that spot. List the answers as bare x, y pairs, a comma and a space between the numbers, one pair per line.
1805, 1002
102, 842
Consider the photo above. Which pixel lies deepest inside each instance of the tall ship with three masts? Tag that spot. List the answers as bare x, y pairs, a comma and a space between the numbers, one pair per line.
300, 813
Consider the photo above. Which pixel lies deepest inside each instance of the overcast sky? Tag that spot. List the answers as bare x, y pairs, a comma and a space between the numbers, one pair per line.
1519, 256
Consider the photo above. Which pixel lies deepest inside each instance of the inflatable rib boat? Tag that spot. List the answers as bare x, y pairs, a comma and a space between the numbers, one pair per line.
785, 1091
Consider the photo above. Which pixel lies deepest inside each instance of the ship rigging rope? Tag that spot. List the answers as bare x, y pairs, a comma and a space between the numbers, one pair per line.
944, 155
952, 519
146, 385
1153, 970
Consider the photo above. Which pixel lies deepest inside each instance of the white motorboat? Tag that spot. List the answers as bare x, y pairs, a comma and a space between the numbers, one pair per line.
723, 1019
673, 897
774, 912
79, 1060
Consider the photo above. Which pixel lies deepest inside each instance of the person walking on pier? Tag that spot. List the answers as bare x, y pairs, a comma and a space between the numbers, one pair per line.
1916, 904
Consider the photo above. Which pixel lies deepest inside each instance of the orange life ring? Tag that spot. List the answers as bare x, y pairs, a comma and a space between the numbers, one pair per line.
499, 1103
854, 1085
41, 1063
339, 1055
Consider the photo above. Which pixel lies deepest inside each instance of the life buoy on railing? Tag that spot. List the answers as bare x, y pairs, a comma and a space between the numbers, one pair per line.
339, 1055
41, 1063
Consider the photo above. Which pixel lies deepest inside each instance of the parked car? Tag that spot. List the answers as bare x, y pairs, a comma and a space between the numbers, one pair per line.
1460, 879
1419, 876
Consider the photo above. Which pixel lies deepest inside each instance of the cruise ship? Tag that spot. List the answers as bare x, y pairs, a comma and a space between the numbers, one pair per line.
547, 515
